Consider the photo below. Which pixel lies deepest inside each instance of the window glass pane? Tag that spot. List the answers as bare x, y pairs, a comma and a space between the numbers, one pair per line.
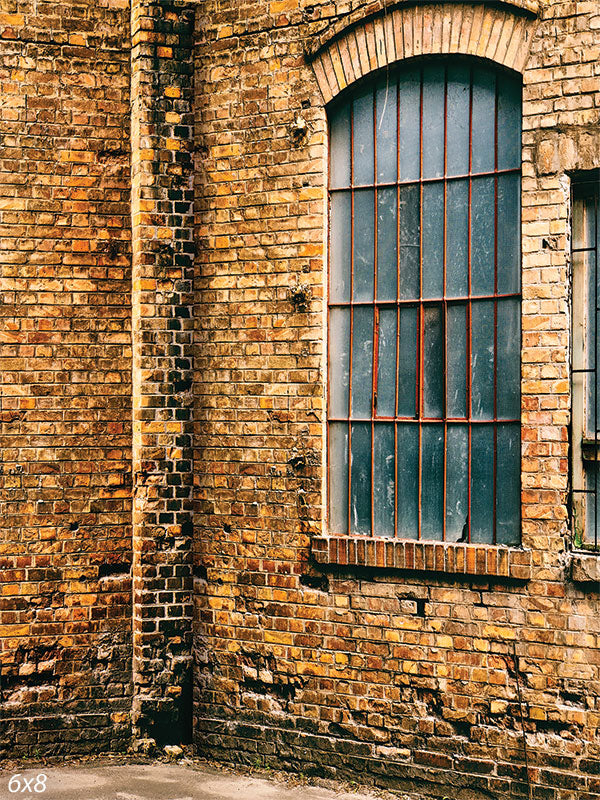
407, 484
433, 121
433, 240
410, 236
509, 122
457, 481
484, 114
509, 233
387, 244
364, 245
583, 222
482, 236
592, 345
508, 480
339, 143
339, 362
364, 159
407, 361
592, 522
386, 363
457, 361
387, 132
432, 481
362, 361
360, 488
433, 361
340, 238
508, 348
482, 483
384, 482
338, 477
482, 359
457, 238
410, 124
457, 137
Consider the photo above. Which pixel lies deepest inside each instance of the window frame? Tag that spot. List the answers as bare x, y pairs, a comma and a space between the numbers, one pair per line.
420, 304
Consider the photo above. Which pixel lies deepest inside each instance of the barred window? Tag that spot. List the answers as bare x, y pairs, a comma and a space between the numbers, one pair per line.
424, 305
585, 361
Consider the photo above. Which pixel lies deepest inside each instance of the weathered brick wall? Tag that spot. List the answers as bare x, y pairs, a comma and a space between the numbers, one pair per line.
407, 679
65, 357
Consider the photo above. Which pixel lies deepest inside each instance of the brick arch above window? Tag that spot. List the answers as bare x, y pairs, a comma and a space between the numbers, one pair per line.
496, 32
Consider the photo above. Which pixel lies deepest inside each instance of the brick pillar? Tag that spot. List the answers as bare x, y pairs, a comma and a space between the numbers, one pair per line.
163, 256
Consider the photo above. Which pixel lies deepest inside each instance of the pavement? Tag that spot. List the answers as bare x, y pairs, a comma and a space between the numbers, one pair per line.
156, 781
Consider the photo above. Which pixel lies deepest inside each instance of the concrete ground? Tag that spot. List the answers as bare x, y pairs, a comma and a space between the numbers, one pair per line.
156, 781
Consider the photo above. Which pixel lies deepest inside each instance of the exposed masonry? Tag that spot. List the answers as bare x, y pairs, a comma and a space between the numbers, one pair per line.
400, 665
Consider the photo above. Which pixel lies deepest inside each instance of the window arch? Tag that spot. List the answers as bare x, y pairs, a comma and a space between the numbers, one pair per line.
424, 305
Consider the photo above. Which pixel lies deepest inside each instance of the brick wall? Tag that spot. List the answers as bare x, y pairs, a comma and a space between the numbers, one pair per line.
65, 357
406, 678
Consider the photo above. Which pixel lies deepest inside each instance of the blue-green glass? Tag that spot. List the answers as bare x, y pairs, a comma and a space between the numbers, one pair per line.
407, 481
340, 146
508, 349
457, 481
387, 132
341, 240
457, 136
508, 483
433, 240
338, 477
482, 359
482, 483
410, 238
362, 362
363, 138
386, 363
339, 362
410, 122
456, 375
407, 361
364, 245
509, 121
484, 119
457, 238
433, 120
384, 479
482, 236
387, 243
433, 361
432, 481
509, 233
360, 478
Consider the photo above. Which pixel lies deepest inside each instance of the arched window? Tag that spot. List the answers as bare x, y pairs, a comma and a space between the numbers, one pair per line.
424, 305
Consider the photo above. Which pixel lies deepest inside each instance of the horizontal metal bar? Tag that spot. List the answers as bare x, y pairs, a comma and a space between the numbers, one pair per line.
432, 420
418, 181
424, 301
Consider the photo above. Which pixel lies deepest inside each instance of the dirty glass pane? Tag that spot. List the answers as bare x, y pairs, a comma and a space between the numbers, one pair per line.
363, 139
433, 121
592, 344
509, 233
410, 234
360, 478
339, 143
484, 113
338, 477
364, 245
340, 238
583, 222
407, 484
457, 238
433, 240
508, 349
410, 124
386, 363
362, 362
457, 481
387, 132
433, 361
509, 122
407, 361
457, 361
457, 155
387, 244
508, 480
482, 236
384, 479
482, 483
482, 359
432, 481
339, 362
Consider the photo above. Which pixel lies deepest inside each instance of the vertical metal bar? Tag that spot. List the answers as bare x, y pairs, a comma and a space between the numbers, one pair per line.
469, 302
351, 317
445, 308
420, 326
496, 301
375, 316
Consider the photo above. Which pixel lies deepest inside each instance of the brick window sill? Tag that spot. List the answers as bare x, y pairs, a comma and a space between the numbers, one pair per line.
443, 557
585, 567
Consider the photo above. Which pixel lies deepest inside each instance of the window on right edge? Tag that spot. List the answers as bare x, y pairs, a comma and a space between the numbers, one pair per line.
424, 302
585, 363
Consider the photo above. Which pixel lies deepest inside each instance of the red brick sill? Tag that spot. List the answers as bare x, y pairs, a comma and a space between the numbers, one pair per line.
445, 557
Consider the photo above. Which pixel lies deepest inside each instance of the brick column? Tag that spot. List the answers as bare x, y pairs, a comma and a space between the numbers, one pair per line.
163, 256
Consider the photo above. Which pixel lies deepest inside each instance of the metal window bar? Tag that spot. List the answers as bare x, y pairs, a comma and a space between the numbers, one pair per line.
444, 302
584, 379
